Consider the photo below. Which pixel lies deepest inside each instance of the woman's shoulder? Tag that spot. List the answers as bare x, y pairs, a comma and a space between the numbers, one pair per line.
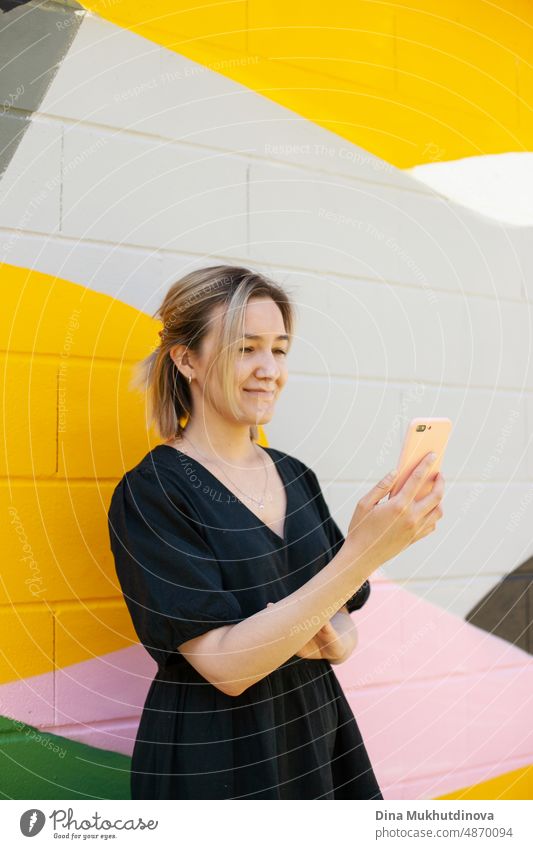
155, 491
147, 462
301, 469
153, 470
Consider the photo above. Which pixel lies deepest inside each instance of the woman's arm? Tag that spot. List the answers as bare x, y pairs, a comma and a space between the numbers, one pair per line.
234, 657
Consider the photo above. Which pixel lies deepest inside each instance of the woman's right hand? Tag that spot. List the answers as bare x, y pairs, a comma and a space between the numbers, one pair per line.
381, 531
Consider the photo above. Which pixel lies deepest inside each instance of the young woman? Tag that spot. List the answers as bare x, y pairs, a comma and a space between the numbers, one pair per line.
238, 581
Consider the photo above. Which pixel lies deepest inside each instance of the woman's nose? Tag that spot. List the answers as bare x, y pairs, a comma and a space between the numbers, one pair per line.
268, 367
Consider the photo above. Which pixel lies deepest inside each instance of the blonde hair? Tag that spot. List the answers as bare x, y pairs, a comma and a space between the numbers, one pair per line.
186, 313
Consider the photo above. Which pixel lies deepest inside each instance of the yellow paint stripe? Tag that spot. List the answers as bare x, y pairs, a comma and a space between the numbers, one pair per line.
517, 784
60, 601
411, 85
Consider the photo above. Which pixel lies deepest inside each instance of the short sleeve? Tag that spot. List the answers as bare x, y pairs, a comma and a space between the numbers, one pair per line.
171, 580
336, 539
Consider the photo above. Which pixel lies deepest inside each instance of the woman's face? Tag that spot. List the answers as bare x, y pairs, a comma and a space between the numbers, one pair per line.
260, 363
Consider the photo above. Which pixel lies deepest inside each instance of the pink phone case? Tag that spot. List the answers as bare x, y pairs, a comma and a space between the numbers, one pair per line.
422, 436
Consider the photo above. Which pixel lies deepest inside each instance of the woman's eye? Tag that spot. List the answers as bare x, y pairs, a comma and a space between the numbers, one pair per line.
278, 351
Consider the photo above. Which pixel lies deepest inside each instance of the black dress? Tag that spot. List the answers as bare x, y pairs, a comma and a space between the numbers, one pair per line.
191, 556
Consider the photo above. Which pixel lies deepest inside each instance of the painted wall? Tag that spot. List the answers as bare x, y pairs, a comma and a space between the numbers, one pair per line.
135, 161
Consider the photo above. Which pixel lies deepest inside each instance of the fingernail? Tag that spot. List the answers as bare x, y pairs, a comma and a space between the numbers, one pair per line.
432, 456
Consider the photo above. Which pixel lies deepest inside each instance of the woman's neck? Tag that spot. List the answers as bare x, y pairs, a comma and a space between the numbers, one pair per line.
240, 451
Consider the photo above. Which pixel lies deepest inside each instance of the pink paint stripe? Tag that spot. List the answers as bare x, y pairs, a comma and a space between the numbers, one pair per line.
107, 689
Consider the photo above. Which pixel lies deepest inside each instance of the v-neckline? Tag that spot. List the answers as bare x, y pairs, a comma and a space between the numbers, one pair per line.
282, 539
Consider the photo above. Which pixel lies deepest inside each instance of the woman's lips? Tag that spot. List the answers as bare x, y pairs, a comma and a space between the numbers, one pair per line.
260, 392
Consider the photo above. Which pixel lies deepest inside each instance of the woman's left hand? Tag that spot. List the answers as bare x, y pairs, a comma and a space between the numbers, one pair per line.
331, 643
328, 644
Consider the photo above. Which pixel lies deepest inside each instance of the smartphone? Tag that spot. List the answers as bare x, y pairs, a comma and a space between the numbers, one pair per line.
422, 436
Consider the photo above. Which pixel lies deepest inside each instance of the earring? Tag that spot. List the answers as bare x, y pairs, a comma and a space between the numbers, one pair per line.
190, 378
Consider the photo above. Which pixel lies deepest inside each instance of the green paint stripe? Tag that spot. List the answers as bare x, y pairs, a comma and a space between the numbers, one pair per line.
39, 765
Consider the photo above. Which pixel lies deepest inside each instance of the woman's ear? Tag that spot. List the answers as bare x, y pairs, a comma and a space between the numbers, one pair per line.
178, 355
